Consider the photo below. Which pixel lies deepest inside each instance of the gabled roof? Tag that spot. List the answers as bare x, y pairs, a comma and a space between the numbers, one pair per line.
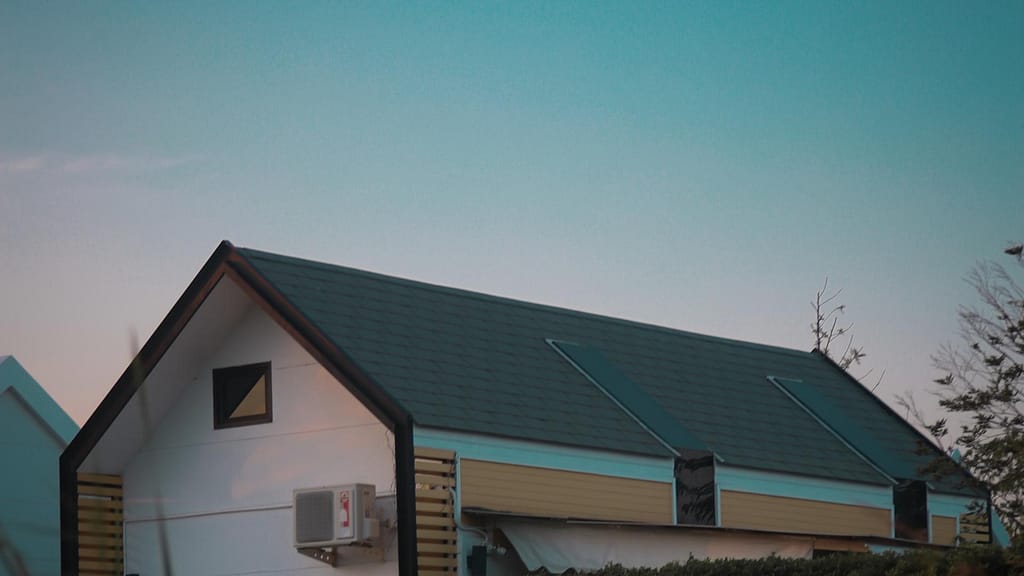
453, 359
479, 363
13, 377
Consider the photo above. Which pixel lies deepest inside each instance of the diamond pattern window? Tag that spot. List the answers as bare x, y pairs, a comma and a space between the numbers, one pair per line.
242, 396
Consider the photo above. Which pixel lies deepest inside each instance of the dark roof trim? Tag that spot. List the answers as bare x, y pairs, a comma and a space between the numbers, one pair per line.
146, 359
121, 393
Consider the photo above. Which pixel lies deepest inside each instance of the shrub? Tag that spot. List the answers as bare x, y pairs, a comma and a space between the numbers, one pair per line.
964, 561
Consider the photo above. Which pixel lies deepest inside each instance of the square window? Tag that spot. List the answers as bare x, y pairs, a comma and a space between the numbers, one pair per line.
242, 396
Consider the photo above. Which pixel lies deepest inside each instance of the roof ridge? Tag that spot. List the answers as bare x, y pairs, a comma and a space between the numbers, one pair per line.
250, 252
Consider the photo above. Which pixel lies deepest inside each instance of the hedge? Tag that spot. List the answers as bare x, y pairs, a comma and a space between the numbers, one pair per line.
964, 561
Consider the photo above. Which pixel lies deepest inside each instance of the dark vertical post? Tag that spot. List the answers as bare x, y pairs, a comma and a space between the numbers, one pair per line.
68, 517
405, 486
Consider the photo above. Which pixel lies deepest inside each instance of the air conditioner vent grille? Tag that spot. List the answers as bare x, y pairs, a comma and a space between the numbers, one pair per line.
314, 516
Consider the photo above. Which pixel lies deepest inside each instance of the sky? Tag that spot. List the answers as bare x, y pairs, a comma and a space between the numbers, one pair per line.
698, 165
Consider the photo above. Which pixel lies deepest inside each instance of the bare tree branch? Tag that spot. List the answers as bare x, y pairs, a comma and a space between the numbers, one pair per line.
983, 382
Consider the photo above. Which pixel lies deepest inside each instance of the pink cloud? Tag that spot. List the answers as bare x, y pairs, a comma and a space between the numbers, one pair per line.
83, 164
22, 164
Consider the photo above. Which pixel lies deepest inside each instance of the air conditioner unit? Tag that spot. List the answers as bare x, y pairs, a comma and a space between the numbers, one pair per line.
335, 516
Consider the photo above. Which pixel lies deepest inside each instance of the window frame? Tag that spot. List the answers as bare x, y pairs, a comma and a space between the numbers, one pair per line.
221, 376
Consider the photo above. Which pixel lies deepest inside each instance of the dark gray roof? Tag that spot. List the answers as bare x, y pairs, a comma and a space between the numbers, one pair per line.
477, 363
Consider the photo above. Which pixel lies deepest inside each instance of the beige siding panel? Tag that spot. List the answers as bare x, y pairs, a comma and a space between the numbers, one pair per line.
760, 512
943, 530
559, 493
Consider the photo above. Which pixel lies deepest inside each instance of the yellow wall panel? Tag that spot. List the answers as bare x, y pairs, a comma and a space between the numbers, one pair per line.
558, 493
943, 530
760, 512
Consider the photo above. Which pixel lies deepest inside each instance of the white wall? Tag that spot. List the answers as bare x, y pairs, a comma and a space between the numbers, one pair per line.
226, 494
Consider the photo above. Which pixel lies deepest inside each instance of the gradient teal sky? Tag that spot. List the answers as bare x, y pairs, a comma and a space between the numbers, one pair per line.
698, 165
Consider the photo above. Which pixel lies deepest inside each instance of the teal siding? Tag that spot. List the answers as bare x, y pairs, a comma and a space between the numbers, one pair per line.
776, 484
29, 515
33, 432
526, 453
947, 504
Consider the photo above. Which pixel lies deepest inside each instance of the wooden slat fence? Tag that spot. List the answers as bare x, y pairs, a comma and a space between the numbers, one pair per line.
436, 537
974, 528
100, 524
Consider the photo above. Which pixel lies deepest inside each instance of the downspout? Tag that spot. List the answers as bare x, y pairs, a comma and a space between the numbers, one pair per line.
405, 491
68, 517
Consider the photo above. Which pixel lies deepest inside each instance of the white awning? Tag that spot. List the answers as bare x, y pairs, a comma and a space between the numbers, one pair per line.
559, 546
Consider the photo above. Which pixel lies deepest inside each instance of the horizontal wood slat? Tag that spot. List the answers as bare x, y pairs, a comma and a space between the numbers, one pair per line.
436, 537
432, 548
434, 453
101, 553
99, 528
431, 480
90, 503
100, 524
438, 561
433, 507
99, 566
92, 541
430, 521
102, 479
100, 515
434, 467
433, 494
433, 534
111, 491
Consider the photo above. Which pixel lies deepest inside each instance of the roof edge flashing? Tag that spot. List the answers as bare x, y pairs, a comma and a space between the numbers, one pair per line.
776, 381
628, 396
555, 345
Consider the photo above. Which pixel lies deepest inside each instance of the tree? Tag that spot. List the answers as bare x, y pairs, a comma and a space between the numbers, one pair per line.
828, 331
983, 386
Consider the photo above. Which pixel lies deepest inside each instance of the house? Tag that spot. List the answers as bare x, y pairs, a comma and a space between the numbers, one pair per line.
34, 431
497, 434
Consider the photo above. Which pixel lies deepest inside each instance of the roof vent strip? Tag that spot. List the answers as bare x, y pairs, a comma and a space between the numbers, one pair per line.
628, 396
833, 419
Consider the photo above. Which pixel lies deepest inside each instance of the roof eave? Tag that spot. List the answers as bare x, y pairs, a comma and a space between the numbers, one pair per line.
925, 440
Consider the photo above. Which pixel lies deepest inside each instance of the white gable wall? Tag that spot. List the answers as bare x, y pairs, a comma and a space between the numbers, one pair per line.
226, 494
